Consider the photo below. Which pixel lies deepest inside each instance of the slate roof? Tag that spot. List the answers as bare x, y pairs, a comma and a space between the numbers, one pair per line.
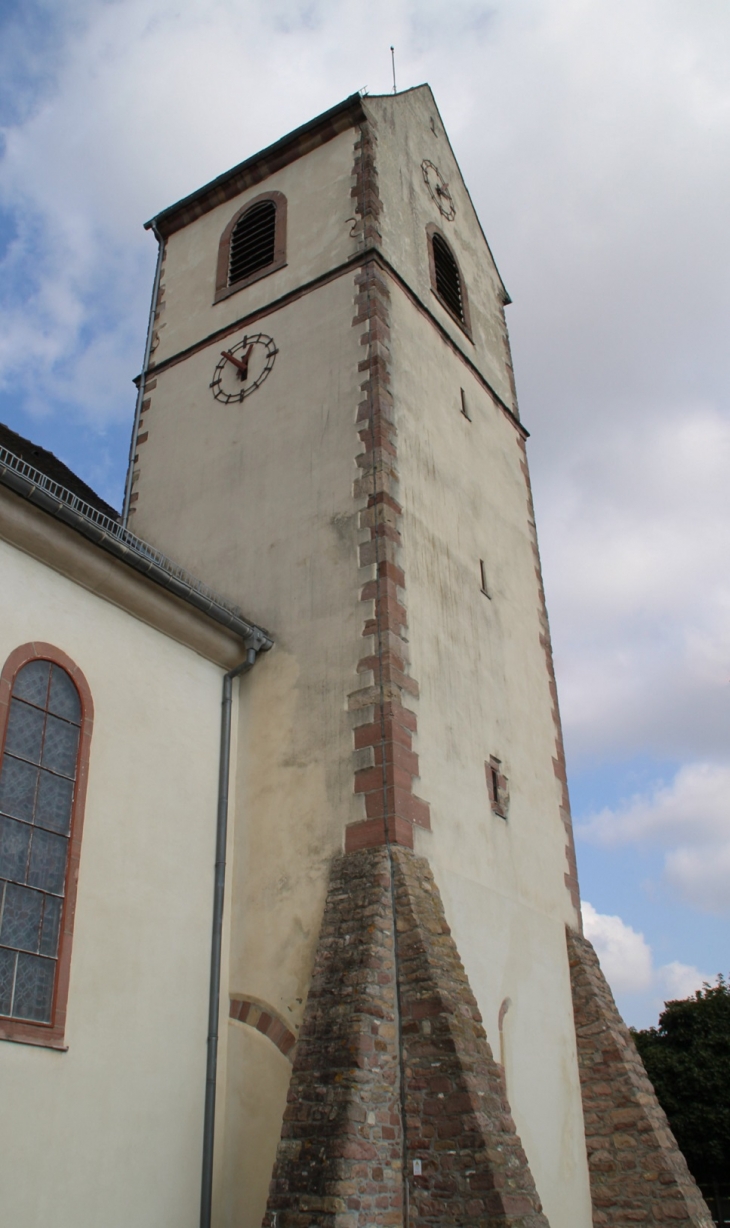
54, 469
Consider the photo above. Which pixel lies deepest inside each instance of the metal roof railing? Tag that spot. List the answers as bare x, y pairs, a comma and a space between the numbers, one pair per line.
111, 536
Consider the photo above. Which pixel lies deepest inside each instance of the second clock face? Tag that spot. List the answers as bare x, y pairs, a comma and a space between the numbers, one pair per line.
439, 189
243, 367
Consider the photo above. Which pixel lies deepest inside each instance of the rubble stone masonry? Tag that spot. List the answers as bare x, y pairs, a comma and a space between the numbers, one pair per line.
638, 1174
391, 1025
339, 1158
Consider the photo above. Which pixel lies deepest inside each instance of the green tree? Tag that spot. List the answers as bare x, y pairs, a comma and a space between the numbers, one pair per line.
687, 1058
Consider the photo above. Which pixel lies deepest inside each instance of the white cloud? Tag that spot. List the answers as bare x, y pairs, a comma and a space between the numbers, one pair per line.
625, 955
626, 958
639, 594
690, 820
591, 135
145, 102
594, 135
680, 980
696, 806
701, 876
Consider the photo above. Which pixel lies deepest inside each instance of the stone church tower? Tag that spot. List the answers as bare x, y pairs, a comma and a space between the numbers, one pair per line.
328, 433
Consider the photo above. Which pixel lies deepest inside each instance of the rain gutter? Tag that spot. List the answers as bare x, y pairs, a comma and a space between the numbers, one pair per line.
142, 378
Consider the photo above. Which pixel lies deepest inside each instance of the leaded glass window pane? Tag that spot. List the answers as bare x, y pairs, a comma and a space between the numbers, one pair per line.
25, 731
14, 848
31, 683
36, 804
64, 698
60, 746
47, 861
33, 996
51, 923
17, 788
53, 804
22, 914
7, 977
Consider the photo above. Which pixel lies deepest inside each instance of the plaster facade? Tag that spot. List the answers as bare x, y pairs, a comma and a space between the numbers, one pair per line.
388, 903
409, 132
112, 1122
484, 691
270, 487
319, 221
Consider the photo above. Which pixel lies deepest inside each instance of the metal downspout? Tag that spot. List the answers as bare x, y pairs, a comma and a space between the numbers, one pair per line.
142, 378
206, 1191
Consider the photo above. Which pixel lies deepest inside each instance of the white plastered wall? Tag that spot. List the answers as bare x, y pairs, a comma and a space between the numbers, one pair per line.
405, 138
319, 224
112, 1128
257, 1084
479, 662
257, 500
484, 690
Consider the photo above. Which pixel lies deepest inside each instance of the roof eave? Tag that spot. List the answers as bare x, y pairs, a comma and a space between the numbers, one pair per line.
258, 167
63, 505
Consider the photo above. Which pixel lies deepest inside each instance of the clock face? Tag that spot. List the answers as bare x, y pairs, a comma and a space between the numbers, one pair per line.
243, 367
439, 189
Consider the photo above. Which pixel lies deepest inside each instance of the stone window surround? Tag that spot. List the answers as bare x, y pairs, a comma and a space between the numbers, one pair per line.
24, 1031
499, 796
222, 289
465, 324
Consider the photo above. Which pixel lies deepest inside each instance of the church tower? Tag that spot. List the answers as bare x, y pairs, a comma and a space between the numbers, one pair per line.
329, 434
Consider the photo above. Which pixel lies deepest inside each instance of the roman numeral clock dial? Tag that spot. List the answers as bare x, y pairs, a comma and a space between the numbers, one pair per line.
243, 367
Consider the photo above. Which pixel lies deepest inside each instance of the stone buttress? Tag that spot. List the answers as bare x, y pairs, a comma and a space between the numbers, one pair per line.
638, 1174
392, 1034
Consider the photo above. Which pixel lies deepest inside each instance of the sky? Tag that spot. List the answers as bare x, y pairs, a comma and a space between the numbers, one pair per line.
594, 136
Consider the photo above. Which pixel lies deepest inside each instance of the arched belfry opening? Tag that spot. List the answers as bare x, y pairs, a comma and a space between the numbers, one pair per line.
253, 242
448, 280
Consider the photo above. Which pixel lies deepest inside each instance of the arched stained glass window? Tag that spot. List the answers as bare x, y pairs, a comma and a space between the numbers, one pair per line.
38, 779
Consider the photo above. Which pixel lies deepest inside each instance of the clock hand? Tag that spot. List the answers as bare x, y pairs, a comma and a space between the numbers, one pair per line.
241, 364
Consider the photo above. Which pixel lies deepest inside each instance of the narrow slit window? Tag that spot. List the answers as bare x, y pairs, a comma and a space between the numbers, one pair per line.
497, 787
483, 574
37, 785
448, 281
464, 406
253, 242
495, 780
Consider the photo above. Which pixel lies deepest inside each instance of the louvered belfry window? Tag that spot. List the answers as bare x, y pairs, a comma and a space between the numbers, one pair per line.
37, 785
253, 242
448, 281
